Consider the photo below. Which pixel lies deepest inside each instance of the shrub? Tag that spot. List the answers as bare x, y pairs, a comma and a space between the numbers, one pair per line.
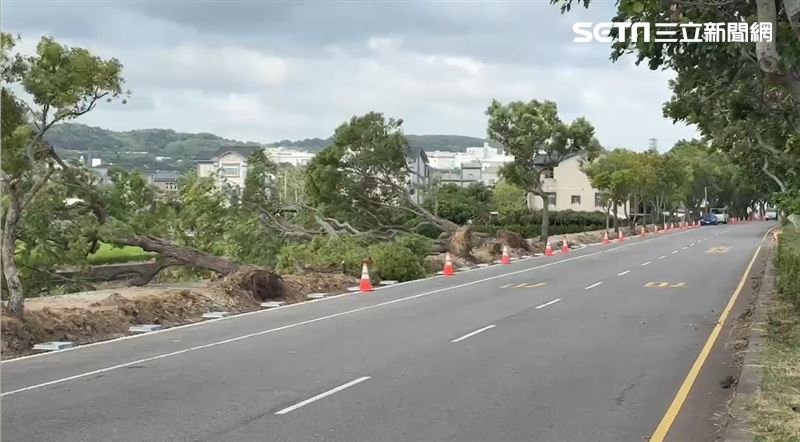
394, 261
787, 264
418, 244
344, 253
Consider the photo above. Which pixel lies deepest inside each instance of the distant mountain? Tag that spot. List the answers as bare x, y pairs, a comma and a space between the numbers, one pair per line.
453, 143
177, 150
135, 147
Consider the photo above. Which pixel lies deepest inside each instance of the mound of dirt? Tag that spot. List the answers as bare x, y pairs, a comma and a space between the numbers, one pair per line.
97, 316
256, 283
108, 318
301, 285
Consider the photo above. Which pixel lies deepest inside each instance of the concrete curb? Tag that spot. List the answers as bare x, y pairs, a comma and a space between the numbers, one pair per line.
749, 385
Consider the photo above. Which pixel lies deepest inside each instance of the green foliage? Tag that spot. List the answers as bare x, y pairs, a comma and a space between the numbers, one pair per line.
64, 78
454, 143
572, 217
395, 261
534, 230
460, 204
121, 147
419, 245
526, 129
744, 99
258, 191
535, 136
787, 264
360, 177
427, 230
345, 254
508, 200
109, 254
789, 201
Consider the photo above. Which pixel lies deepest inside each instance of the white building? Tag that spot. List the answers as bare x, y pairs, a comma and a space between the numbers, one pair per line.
569, 188
228, 162
282, 155
419, 175
475, 165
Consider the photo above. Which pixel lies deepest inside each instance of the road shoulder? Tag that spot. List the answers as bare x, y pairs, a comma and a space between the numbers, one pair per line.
705, 414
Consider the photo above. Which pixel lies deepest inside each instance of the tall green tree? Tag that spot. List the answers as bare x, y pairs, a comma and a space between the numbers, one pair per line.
619, 175
535, 136
743, 97
63, 83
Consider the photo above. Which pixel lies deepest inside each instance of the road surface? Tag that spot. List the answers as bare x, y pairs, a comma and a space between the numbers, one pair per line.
590, 345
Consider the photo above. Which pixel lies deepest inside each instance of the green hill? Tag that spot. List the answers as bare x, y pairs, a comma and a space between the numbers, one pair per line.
177, 150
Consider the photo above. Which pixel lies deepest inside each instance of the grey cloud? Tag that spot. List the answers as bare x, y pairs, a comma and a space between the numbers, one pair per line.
272, 70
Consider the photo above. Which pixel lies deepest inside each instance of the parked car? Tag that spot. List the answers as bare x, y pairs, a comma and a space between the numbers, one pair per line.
771, 215
722, 214
709, 219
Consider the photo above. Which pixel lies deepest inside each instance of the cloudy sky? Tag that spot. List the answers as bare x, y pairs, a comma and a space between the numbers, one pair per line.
265, 71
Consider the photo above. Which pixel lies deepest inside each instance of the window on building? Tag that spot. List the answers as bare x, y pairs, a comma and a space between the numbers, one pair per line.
600, 199
548, 173
576, 199
230, 169
551, 199
171, 186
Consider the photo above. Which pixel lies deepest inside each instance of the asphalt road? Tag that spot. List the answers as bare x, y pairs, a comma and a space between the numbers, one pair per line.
592, 345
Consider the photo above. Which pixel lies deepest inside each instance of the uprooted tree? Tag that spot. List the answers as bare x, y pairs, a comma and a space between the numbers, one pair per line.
64, 83
538, 140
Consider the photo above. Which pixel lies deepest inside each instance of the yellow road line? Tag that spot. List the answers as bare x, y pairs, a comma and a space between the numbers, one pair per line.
686, 386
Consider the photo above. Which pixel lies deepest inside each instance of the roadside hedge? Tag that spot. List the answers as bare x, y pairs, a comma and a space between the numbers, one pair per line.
787, 264
533, 231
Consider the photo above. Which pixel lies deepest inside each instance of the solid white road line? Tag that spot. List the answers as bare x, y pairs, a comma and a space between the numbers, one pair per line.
645, 263
548, 303
323, 395
593, 285
488, 327
623, 273
292, 325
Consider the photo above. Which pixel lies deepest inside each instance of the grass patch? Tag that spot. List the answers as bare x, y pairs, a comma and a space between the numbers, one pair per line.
777, 408
109, 254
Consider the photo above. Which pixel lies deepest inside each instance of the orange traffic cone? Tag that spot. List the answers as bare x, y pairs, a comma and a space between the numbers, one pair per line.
564, 246
644, 233
366, 284
448, 266
548, 250
505, 259
621, 237
605, 238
